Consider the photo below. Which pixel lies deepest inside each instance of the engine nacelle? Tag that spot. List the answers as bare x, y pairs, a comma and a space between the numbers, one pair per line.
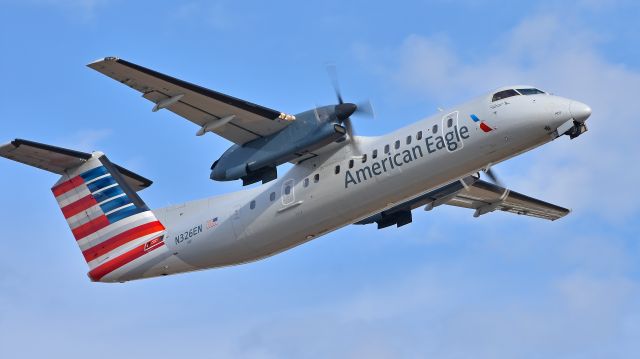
257, 160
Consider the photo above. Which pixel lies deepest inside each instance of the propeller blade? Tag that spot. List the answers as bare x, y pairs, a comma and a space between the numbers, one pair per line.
348, 125
364, 109
343, 111
493, 178
333, 76
316, 113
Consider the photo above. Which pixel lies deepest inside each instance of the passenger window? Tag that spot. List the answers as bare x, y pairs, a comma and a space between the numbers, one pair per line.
351, 163
337, 169
397, 145
374, 155
364, 158
408, 140
386, 148
287, 190
504, 94
449, 122
316, 178
435, 129
272, 196
306, 182
252, 205
419, 136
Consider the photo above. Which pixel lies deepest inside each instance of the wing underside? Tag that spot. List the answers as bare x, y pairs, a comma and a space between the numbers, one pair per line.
237, 120
485, 197
471, 193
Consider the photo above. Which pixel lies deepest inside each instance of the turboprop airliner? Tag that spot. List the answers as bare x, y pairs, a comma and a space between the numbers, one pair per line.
337, 178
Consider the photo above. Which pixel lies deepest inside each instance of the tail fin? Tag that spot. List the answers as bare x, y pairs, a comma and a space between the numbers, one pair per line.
115, 230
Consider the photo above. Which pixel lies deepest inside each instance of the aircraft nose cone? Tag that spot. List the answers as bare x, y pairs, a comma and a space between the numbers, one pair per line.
579, 111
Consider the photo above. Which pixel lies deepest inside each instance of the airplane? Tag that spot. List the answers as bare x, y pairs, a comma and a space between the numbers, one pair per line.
337, 178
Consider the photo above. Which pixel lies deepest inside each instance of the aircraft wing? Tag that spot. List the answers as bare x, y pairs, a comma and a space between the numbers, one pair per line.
58, 160
485, 197
236, 120
476, 194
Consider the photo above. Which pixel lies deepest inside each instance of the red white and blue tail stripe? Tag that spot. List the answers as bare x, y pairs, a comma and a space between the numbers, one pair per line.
115, 230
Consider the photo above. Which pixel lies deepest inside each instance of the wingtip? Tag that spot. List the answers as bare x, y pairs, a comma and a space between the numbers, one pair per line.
103, 59
17, 142
8, 145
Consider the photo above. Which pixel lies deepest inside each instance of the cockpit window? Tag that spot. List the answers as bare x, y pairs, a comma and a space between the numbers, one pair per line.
504, 94
528, 92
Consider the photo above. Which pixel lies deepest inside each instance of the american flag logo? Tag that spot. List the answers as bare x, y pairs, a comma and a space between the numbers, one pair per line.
153, 243
212, 222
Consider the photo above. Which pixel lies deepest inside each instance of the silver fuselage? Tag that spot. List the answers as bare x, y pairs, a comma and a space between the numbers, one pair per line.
255, 223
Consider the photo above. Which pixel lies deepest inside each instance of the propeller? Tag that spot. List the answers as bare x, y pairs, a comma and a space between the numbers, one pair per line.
344, 110
492, 177
333, 76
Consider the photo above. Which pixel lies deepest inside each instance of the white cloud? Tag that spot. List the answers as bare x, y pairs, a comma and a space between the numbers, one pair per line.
451, 312
87, 140
575, 296
592, 174
580, 297
215, 14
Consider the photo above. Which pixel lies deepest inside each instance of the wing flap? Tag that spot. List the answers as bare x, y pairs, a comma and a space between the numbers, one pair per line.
197, 104
58, 160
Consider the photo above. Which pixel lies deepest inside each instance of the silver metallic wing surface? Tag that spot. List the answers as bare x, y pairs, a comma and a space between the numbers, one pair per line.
197, 104
58, 160
485, 197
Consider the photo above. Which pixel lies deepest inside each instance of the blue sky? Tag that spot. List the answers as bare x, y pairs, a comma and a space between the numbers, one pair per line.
446, 286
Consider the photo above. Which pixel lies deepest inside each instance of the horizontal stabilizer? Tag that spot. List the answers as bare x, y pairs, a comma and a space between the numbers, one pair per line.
58, 160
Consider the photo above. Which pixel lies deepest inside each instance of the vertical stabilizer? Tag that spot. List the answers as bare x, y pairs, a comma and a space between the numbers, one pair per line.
120, 238
113, 227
